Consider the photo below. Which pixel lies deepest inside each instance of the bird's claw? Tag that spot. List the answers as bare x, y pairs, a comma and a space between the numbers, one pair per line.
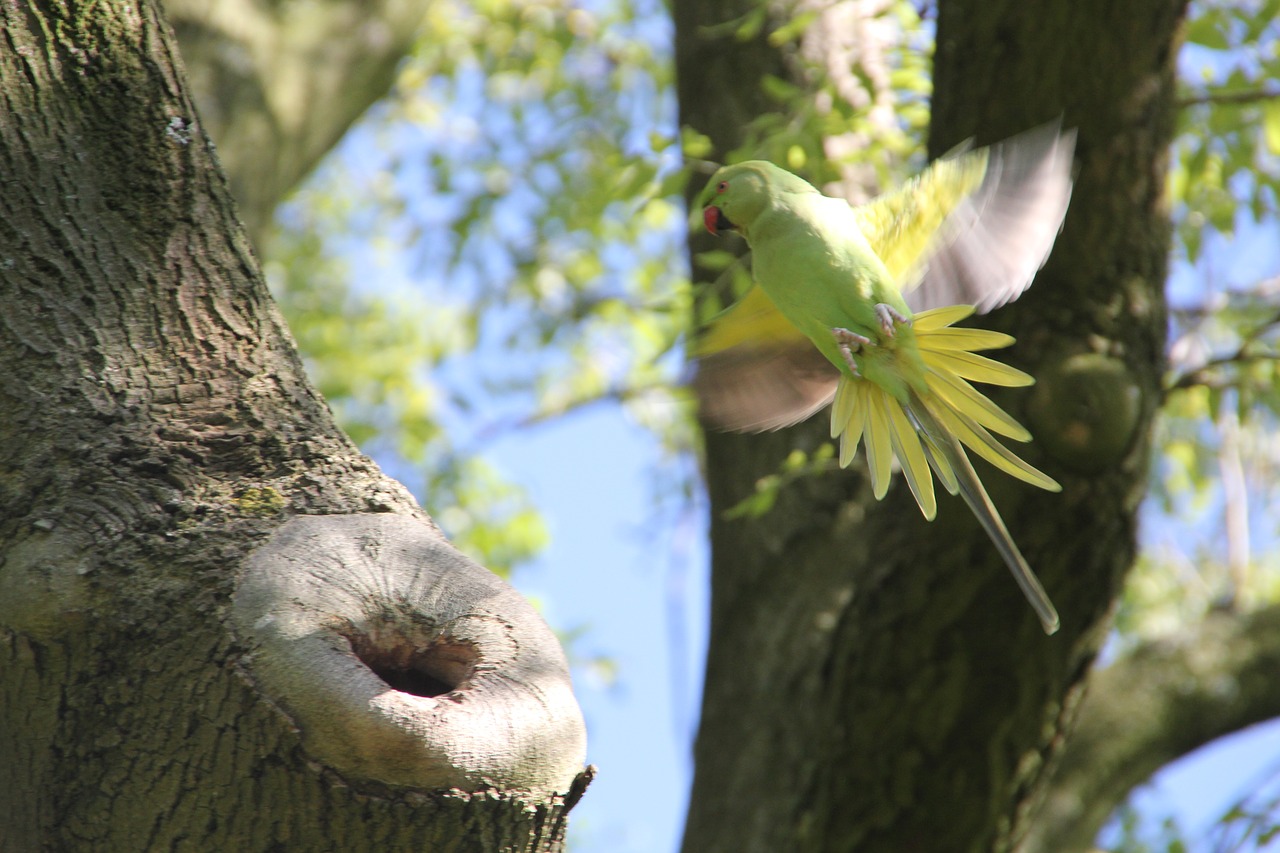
889, 318
849, 342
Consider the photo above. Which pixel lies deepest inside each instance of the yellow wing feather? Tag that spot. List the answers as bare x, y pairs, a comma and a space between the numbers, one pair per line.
903, 226
751, 321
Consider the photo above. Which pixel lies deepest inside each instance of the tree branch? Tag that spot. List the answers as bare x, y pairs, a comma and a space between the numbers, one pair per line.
1236, 97
1156, 704
279, 83
1202, 375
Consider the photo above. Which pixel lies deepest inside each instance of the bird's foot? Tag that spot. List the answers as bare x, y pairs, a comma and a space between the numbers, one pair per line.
889, 318
849, 343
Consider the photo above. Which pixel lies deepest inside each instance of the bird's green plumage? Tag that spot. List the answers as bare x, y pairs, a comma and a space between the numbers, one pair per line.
906, 393
811, 259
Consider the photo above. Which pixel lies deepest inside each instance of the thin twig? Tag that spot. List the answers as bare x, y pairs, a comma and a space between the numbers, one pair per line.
1237, 97
616, 394
1202, 374
1242, 355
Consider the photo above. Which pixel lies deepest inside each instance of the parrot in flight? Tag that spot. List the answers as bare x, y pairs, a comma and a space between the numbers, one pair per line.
855, 306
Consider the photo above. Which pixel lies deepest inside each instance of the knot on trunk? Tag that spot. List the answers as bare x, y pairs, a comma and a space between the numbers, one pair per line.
400, 660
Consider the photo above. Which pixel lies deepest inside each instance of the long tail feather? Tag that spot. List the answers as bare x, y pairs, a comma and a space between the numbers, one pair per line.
929, 433
979, 501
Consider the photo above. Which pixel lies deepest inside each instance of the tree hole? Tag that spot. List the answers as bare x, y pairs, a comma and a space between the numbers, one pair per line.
419, 666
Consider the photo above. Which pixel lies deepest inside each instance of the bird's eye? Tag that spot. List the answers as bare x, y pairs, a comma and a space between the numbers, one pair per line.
721, 187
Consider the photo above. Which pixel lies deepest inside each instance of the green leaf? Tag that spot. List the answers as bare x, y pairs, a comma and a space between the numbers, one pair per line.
793, 29
751, 24
1204, 31
694, 144
1271, 125
758, 502
778, 89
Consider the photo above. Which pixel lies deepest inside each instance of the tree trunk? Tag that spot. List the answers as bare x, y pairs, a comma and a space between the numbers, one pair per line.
876, 682
221, 627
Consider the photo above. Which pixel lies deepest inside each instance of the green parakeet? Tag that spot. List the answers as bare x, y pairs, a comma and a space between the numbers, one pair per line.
831, 319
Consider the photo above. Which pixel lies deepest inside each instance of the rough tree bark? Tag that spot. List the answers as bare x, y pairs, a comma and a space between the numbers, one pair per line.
875, 682
221, 627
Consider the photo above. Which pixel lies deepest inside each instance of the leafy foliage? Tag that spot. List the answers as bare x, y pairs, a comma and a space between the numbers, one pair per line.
1228, 155
547, 150
1216, 455
370, 354
496, 244
1253, 822
1212, 536
1136, 836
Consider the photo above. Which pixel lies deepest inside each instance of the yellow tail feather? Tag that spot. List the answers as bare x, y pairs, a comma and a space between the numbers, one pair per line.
967, 400
928, 432
969, 340
939, 318
863, 409
977, 367
879, 442
906, 446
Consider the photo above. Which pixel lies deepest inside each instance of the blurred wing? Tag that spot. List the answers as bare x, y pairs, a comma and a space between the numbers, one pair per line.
756, 371
754, 389
974, 228
903, 226
752, 321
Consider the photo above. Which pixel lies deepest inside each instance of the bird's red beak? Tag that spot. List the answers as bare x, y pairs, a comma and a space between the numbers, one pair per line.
715, 220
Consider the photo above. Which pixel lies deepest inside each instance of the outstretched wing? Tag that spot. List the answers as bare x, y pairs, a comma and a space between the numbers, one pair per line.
974, 227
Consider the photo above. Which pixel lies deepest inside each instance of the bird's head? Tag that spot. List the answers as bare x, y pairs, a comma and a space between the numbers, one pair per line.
737, 195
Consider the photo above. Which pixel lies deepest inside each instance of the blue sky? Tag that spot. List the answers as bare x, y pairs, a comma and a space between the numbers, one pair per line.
640, 604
